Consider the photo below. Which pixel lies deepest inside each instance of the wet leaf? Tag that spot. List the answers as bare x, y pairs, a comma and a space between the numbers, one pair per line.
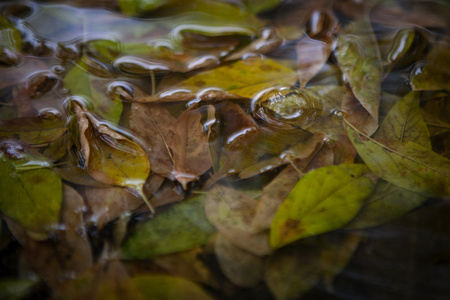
68, 253
181, 227
133, 7
323, 200
189, 147
405, 164
12, 289
34, 130
434, 74
243, 79
10, 43
160, 287
82, 83
231, 212
257, 6
111, 157
359, 59
242, 268
30, 192
151, 123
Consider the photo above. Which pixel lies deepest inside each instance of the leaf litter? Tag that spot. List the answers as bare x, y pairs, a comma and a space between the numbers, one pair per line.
222, 149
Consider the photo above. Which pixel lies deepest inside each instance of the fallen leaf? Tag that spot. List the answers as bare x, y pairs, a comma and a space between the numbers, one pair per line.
15, 288
182, 227
242, 268
359, 59
434, 74
189, 147
151, 122
80, 82
231, 212
69, 253
404, 122
111, 157
405, 164
30, 192
241, 79
323, 200
133, 7
168, 288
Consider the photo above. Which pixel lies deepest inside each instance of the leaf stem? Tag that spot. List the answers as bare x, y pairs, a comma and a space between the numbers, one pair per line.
140, 191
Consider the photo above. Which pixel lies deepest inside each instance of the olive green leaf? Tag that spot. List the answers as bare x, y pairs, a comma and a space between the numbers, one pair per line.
10, 42
323, 200
12, 289
241, 79
111, 157
405, 164
257, 6
359, 59
404, 122
133, 7
81, 83
182, 227
30, 192
164, 287
435, 73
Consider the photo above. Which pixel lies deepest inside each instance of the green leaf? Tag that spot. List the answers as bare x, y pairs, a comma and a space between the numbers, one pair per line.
359, 59
405, 164
257, 6
163, 287
387, 203
30, 192
434, 75
11, 289
244, 78
323, 200
133, 7
404, 122
80, 82
181, 227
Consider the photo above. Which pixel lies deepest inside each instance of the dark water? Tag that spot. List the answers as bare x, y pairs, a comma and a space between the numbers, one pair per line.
99, 54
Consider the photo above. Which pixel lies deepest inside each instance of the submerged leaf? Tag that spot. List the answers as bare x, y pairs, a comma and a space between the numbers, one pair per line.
323, 200
181, 227
30, 192
359, 59
405, 164
111, 157
189, 146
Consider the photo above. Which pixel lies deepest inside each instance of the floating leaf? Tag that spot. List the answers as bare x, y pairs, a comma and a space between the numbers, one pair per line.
111, 157
133, 7
405, 164
359, 59
82, 83
244, 78
181, 227
242, 268
161, 287
30, 192
323, 200
189, 146
10, 43
34, 130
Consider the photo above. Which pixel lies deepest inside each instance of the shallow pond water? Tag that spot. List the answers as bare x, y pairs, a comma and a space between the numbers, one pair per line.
224, 149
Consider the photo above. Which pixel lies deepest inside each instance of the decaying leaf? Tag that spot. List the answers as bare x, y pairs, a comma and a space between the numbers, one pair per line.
405, 164
30, 192
241, 267
359, 59
189, 147
182, 227
323, 200
231, 212
111, 157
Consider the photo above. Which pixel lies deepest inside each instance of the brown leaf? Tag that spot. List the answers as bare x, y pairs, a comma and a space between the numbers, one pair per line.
242, 268
189, 146
151, 123
231, 212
